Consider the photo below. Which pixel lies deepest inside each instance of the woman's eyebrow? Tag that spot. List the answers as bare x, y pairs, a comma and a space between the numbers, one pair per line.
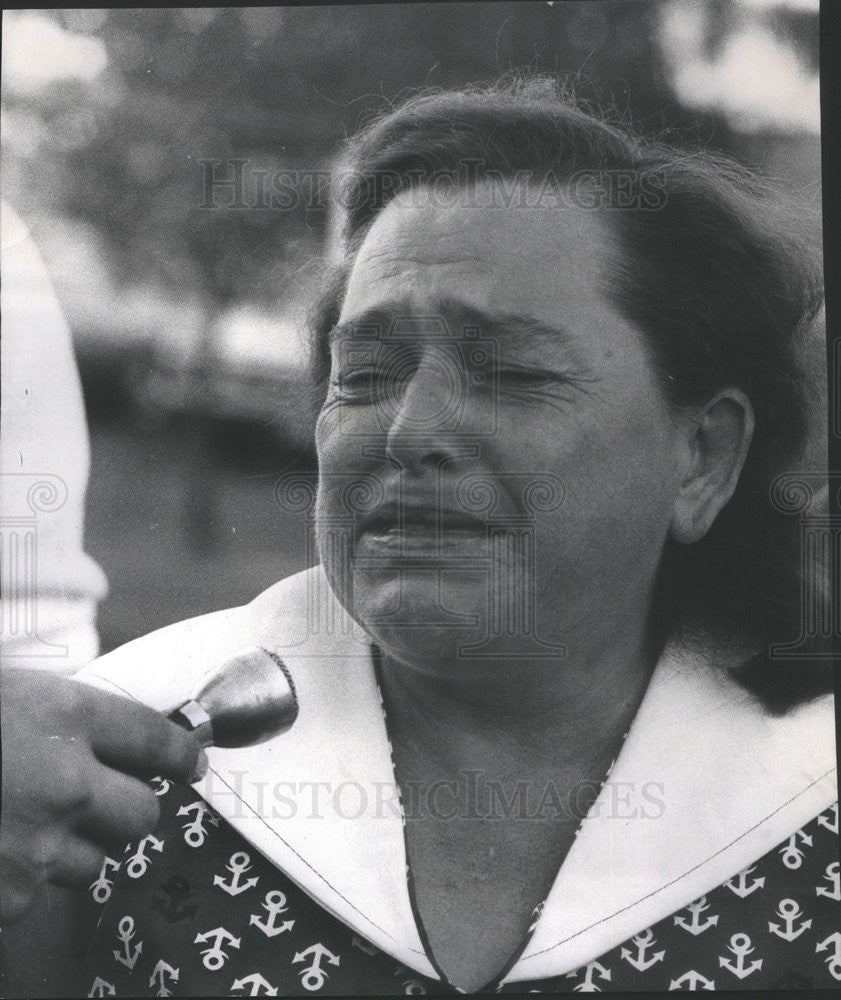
371, 323
520, 324
457, 318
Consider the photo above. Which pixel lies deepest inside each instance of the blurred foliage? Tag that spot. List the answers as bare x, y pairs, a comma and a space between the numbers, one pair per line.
279, 87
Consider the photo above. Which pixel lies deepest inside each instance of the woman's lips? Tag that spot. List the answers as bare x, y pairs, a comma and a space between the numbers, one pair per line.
421, 530
416, 539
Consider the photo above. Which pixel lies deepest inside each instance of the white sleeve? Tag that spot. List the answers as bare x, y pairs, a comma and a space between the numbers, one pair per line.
50, 586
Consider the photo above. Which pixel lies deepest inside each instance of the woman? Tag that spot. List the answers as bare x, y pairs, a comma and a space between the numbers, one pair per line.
560, 374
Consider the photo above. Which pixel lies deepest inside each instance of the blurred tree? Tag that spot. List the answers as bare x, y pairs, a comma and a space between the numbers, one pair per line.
277, 87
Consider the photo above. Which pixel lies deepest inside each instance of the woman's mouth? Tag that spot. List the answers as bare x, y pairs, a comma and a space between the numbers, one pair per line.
427, 529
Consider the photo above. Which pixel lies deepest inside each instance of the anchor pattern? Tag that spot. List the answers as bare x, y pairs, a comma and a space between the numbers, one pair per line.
209, 916
773, 926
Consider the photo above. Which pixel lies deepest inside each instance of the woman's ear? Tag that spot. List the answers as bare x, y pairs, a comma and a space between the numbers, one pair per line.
718, 438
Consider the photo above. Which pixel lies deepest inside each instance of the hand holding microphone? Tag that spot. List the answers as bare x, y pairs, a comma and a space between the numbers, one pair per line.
76, 761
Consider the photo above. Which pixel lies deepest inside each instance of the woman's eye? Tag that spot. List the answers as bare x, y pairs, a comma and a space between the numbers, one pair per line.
359, 384
527, 377
351, 381
348, 380
534, 386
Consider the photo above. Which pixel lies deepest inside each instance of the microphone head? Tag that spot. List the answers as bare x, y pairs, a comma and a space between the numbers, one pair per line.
249, 698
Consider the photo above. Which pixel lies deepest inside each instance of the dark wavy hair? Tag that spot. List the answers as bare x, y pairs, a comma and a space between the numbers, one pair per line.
708, 271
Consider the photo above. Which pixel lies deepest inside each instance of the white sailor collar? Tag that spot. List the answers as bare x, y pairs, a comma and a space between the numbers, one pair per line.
728, 782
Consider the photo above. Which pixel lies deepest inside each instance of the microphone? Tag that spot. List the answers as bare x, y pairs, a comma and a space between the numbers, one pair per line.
248, 699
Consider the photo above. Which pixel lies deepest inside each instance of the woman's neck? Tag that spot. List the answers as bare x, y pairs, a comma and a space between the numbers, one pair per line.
525, 712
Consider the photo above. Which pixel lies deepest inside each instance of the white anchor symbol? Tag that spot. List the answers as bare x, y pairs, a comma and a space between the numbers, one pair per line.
696, 926
740, 885
214, 957
101, 988
792, 855
834, 960
741, 947
413, 988
163, 785
789, 911
195, 832
590, 970
239, 863
101, 888
693, 981
642, 942
259, 985
161, 975
313, 976
830, 820
138, 863
125, 932
833, 874
275, 904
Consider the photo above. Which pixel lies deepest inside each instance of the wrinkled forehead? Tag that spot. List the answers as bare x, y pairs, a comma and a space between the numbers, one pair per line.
468, 255
482, 244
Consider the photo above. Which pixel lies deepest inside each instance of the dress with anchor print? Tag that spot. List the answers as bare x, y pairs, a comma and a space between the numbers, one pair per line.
194, 910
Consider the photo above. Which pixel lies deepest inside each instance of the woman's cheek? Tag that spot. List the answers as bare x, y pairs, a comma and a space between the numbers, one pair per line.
343, 429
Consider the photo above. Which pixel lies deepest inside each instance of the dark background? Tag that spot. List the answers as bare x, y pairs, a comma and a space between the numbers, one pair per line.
187, 319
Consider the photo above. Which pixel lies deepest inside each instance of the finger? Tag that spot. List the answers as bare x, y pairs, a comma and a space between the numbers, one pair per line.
120, 809
21, 885
53, 780
77, 864
136, 739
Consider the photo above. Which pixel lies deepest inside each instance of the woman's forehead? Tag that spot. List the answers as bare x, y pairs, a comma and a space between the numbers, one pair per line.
469, 226
428, 254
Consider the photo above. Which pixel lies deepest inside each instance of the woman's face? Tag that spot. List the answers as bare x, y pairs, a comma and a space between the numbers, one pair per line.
518, 465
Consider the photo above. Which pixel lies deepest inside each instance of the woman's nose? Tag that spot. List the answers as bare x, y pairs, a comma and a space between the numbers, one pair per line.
425, 412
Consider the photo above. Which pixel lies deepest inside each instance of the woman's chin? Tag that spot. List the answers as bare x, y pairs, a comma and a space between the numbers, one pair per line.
417, 619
